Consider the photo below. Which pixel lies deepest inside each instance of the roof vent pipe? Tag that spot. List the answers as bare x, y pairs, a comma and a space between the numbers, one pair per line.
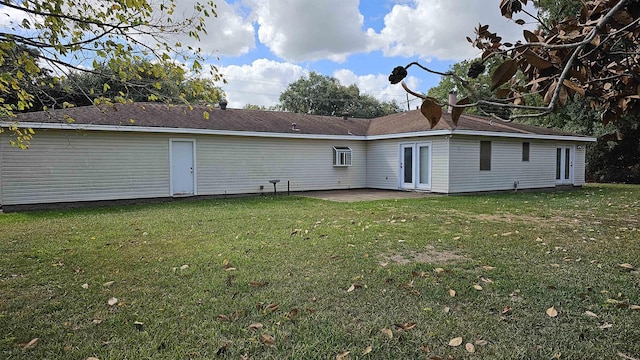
223, 105
452, 100
345, 115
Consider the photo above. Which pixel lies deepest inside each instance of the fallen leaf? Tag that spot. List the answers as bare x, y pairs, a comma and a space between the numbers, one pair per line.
184, 267
222, 349
272, 307
486, 280
446, 309
30, 345
477, 287
406, 326
438, 270
626, 266
268, 340
112, 301
138, 325
96, 321
470, 348
455, 342
624, 356
343, 356
481, 342
85, 286
634, 307
108, 283
425, 349
487, 267
255, 326
591, 314
351, 288
387, 333
291, 314
452, 292
92, 358
552, 312
506, 310
258, 283
605, 326
367, 350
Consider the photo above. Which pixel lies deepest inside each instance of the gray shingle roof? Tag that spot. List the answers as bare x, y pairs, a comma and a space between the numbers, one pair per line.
157, 115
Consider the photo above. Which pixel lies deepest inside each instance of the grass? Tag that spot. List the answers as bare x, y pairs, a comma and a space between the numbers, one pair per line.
300, 278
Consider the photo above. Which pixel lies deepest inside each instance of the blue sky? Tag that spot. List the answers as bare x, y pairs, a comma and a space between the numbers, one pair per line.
264, 45
261, 46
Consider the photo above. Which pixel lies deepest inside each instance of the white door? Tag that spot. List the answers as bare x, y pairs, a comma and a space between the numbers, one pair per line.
415, 166
407, 180
564, 165
182, 168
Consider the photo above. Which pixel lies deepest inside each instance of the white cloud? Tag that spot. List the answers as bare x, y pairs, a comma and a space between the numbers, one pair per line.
230, 33
304, 30
378, 85
438, 28
259, 83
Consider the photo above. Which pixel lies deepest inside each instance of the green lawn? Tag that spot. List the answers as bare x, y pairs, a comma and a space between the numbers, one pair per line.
301, 278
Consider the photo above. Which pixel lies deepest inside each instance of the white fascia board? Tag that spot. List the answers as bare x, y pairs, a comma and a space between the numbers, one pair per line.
147, 129
524, 136
410, 135
163, 130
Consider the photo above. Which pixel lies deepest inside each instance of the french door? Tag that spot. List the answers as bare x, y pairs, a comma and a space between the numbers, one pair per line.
564, 165
415, 166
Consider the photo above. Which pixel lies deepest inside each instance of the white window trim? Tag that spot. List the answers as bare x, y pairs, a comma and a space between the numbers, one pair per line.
342, 156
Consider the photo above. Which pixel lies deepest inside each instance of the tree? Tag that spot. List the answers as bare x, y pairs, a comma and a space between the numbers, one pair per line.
75, 35
594, 54
324, 95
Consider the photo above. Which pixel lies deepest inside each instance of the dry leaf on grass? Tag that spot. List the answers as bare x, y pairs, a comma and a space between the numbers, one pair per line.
591, 314
481, 342
406, 326
255, 326
367, 350
272, 307
634, 307
487, 267
387, 333
30, 345
477, 287
470, 348
455, 342
112, 301
268, 340
438, 270
343, 356
92, 358
85, 286
552, 312
605, 326
626, 266
452, 292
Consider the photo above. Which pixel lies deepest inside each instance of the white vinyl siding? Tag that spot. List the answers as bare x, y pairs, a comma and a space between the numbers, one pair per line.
78, 166
507, 166
236, 165
579, 165
383, 164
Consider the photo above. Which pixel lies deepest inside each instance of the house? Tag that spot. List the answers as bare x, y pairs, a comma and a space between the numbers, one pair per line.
152, 150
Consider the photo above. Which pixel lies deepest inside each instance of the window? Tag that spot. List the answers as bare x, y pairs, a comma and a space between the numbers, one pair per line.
525, 151
485, 155
341, 156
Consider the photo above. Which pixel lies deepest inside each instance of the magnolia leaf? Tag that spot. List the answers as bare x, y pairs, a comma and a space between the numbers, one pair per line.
552, 312
351, 288
85, 286
536, 61
406, 326
387, 333
268, 340
634, 307
447, 309
455, 342
503, 73
255, 326
108, 283
112, 301
573, 86
605, 326
31, 344
506, 310
470, 348
452, 292
184, 267
591, 314
343, 356
432, 111
291, 314
549, 94
456, 112
258, 283
487, 267
367, 350
92, 358
530, 37
626, 266
481, 342
272, 307
438, 270
477, 287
